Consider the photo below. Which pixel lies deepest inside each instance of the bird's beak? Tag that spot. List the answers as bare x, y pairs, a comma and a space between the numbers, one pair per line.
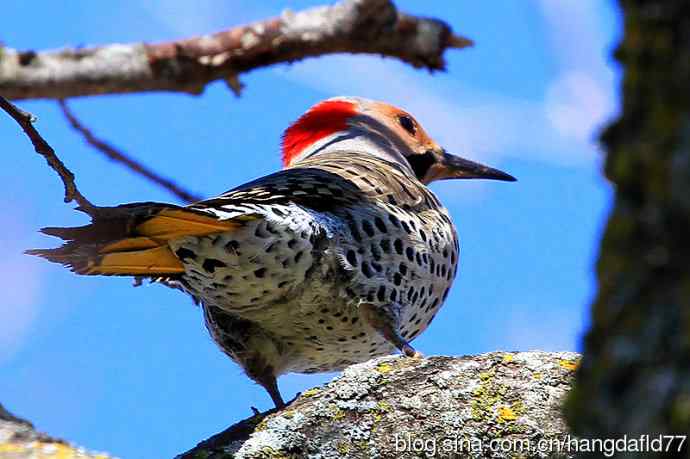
454, 167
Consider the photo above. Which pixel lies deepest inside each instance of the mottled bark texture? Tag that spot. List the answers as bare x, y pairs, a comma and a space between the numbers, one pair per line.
351, 26
387, 408
19, 440
635, 375
390, 407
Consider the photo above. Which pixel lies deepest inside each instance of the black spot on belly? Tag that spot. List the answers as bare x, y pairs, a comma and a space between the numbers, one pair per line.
232, 247
410, 253
397, 279
366, 226
210, 265
394, 220
375, 252
366, 270
385, 245
398, 246
260, 273
381, 294
403, 269
261, 232
351, 257
183, 254
380, 225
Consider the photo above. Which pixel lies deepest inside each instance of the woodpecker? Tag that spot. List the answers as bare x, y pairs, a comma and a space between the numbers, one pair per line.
341, 256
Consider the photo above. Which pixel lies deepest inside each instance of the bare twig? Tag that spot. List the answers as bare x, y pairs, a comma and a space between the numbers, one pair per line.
25, 121
118, 156
350, 26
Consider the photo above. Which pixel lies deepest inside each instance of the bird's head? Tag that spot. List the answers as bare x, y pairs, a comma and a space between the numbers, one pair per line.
378, 129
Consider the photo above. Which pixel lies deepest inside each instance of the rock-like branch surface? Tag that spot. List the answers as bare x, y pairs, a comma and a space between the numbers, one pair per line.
127, 161
19, 440
396, 407
351, 26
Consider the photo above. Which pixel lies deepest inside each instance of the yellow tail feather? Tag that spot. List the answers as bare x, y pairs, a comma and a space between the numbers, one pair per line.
175, 223
133, 241
159, 260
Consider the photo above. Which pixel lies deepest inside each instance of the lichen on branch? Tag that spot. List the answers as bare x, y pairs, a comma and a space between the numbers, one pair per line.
398, 407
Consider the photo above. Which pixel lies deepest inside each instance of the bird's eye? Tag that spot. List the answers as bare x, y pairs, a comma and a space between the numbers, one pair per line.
407, 124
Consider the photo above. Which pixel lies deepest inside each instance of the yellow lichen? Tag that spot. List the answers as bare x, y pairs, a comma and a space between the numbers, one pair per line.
342, 447
507, 358
486, 375
44, 450
335, 412
261, 425
569, 364
506, 414
487, 396
383, 405
537, 375
311, 392
384, 368
268, 451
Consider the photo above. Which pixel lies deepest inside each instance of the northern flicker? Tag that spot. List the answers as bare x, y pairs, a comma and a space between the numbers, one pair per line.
341, 256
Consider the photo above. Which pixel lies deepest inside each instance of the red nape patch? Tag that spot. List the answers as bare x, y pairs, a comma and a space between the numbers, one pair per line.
320, 121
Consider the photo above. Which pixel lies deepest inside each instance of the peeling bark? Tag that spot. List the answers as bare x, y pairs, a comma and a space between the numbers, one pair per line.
351, 26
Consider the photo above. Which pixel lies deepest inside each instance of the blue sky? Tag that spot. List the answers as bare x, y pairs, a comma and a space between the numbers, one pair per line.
132, 370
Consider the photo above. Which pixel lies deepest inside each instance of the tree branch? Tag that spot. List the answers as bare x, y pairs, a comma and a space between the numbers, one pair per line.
351, 26
397, 407
120, 157
25, 121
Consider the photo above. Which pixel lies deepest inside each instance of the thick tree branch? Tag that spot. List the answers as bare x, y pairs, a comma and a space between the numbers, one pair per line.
351, 26
127, 161
19, 440
499, 405
25, 121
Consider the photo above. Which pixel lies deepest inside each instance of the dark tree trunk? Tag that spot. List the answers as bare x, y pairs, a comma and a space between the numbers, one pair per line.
635, 375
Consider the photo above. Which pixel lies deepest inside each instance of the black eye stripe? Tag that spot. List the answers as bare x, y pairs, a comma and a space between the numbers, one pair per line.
407, 124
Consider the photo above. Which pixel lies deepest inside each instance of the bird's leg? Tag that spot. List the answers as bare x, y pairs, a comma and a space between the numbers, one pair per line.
386, 321
265, 378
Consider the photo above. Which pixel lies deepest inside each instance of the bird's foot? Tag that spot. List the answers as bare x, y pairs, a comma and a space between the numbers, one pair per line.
409, 351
